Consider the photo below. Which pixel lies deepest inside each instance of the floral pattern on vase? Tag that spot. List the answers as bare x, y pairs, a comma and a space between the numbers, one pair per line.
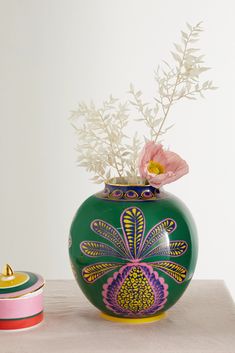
136, 289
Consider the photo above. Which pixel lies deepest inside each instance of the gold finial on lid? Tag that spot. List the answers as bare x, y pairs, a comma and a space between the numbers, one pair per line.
7, 271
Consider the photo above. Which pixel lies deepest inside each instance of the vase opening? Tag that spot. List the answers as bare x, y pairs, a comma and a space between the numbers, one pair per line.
127, 181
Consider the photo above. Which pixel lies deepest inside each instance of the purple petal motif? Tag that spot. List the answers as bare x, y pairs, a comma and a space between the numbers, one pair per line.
135, 290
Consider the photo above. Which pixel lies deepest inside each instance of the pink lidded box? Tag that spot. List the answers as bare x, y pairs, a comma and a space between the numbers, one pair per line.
21, 299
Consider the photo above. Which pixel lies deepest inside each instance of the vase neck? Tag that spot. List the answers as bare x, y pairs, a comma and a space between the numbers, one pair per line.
129, 192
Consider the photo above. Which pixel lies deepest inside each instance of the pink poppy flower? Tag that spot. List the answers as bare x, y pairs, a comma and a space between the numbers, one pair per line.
160, 167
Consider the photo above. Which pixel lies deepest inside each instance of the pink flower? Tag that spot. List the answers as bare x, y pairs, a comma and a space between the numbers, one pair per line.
160, 167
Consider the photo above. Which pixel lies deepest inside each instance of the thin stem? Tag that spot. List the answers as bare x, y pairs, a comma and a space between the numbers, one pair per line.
111, 145
118, 148
174, 89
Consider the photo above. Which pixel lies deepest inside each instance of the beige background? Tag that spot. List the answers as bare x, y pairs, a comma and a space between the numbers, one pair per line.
55, 53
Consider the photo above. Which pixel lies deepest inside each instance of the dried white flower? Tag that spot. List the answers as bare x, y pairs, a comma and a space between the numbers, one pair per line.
103, 147
174, 82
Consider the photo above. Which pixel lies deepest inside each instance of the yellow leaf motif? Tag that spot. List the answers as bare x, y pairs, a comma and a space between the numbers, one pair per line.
159, 231
107, 231
96, 248
134, 246
92, 272
174, 248
172, 269
133, 225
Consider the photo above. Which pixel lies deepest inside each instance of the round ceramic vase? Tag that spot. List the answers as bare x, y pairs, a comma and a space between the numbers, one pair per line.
133, 251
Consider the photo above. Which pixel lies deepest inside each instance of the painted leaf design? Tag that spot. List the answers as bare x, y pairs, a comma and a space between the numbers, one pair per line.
172, 269
133, 226
107, 231
96, 248
159, 231
174, 248
93, 272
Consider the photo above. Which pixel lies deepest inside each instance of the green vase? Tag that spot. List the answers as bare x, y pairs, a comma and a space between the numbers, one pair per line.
133, 251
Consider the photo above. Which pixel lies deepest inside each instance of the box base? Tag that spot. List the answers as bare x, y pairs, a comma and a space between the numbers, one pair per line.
18, 324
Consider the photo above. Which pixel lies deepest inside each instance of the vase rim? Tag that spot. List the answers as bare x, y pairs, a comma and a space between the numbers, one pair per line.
119, 182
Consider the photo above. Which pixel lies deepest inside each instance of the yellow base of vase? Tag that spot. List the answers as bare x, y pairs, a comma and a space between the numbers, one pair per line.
124, 320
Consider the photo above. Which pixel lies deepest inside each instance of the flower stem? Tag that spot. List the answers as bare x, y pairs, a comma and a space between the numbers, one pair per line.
111, 145
177, 81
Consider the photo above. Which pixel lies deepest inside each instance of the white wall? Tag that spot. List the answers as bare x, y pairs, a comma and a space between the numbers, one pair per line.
57, 52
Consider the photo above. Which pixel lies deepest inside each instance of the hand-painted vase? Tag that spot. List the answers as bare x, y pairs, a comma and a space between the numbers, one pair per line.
133, 251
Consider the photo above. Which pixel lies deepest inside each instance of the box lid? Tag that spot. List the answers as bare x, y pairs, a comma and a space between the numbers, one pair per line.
16, 284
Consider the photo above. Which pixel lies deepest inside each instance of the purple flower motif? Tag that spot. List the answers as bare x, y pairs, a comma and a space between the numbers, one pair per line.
136, 289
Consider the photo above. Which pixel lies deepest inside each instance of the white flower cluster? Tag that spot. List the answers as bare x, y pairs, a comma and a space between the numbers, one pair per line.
103, 147
174, 82
102, 144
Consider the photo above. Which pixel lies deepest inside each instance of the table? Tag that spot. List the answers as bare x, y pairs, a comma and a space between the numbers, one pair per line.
203, 320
